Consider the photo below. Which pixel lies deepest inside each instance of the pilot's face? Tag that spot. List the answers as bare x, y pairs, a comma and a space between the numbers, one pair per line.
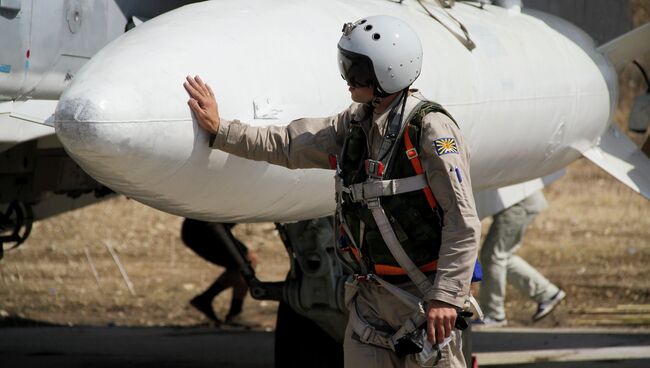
361, 94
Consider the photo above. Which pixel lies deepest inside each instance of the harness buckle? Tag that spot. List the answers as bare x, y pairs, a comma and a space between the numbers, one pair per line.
365, 278
373, 203
411, 153
355, 191
361, 278
367, 333
374, 168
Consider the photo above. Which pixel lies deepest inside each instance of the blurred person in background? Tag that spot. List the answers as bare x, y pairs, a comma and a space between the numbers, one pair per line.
205, 239
501, 265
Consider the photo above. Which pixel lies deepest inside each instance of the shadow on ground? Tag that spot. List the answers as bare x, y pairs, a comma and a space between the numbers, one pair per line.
29, 343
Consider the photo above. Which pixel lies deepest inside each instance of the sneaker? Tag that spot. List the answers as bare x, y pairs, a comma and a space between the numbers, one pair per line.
489, 322
205, 307
547, 306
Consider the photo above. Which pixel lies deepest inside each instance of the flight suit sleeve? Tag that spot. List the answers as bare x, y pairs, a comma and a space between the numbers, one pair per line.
304, 143
446, 161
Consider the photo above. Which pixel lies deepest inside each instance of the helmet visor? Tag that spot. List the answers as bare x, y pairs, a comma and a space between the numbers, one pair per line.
356, 69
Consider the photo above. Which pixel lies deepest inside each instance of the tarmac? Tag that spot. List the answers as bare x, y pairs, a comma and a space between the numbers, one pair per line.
57, 346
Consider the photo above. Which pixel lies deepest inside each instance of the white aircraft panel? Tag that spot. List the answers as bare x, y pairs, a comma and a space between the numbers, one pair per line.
531, 95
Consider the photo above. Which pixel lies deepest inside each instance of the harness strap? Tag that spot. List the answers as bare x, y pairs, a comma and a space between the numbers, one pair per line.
354, 247
412, 154
388, 270
420, 280
410, 325
367, 333
394, 126
475, 308
379, 188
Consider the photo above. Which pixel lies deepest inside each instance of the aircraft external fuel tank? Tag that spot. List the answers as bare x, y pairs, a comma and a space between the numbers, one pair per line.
529, 97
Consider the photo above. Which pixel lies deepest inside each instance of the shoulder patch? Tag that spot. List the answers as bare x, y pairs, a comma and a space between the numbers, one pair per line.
444, 146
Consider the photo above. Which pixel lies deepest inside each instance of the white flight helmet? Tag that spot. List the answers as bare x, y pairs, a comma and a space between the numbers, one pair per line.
380, 51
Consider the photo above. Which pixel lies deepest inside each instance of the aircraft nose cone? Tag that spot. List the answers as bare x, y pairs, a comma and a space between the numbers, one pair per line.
93, 144
77, 128
121, 151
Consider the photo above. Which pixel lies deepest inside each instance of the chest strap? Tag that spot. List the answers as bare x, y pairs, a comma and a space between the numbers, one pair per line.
362, 192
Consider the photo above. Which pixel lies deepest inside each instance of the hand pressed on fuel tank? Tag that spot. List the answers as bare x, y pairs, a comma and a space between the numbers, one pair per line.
203, 103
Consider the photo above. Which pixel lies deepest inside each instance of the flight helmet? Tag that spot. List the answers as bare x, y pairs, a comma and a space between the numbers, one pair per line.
380, 51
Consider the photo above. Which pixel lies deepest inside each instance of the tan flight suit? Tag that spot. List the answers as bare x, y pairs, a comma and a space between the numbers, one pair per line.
308, 142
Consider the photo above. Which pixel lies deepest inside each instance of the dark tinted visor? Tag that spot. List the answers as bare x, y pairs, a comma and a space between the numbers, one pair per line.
356, 69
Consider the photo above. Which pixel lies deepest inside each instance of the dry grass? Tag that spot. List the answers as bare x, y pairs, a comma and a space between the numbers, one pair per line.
50, 279
594, 241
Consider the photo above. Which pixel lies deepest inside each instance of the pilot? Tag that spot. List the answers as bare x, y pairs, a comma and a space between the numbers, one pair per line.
206, 241
404, 197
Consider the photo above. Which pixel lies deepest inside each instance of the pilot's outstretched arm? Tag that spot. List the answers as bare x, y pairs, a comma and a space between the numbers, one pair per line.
304, 143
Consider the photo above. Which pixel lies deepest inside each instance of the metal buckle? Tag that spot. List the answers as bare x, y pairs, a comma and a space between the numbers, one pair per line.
370, 277
374, 168
373, 203
411, 153
367, 333
356, 192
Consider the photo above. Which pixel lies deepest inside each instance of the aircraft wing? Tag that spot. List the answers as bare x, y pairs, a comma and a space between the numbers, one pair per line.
626, 47
24, 121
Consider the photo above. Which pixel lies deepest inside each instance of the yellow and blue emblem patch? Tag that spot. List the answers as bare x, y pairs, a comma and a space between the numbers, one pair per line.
444, 146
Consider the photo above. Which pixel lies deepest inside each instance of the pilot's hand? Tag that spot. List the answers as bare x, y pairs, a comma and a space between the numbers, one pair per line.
441, 318
203, 103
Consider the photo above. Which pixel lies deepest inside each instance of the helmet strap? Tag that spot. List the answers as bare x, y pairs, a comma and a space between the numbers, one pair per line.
378, 96
376, 100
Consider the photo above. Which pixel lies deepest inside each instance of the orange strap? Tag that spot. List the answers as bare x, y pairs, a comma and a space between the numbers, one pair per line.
396, 271
412, 155
356, 253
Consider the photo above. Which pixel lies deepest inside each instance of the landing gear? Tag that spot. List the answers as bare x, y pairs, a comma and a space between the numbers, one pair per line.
15, 225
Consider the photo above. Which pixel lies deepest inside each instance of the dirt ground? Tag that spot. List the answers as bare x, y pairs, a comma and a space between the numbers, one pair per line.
593, 241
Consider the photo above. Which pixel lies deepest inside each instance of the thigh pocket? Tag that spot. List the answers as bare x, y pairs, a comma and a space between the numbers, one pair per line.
350, 292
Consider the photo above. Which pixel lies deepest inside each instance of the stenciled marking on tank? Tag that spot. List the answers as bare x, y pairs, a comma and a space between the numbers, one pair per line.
28, 53
5, 68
